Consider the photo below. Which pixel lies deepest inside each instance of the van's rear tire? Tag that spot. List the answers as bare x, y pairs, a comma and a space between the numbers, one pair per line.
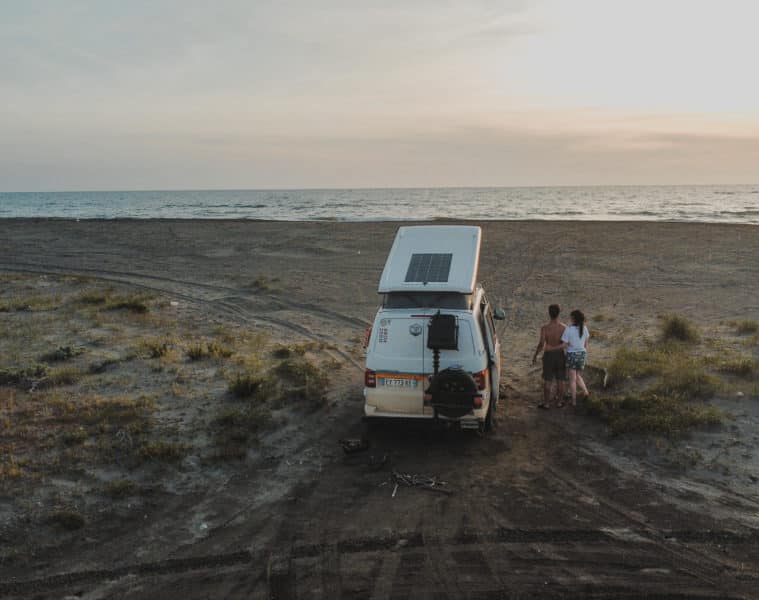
490, 422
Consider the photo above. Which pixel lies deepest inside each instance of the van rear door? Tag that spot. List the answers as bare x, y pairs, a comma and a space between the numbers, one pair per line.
397, 355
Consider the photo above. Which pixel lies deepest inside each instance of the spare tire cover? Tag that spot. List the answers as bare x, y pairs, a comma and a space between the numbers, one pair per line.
452, 391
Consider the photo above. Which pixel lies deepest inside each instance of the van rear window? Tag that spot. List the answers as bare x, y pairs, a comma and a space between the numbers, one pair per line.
452, 300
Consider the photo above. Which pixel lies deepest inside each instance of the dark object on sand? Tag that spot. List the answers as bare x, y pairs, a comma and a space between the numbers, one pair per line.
420, 481
352, 445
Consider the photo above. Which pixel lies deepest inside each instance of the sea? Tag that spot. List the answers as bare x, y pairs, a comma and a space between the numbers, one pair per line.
702, 204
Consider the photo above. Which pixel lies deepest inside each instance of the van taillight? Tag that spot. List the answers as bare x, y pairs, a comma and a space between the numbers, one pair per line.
481, 379
370, 378
367, 336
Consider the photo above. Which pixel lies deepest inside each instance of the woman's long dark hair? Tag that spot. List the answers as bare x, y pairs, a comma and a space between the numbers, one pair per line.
579, 320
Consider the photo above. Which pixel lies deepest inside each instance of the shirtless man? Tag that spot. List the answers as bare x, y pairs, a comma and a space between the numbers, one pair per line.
553, 357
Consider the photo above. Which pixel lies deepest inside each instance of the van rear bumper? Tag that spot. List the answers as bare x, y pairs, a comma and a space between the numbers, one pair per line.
371, 412
472, 421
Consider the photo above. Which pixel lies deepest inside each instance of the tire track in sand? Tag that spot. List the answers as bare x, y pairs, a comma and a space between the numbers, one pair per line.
704, 566
229, 306
133, 278
459, 549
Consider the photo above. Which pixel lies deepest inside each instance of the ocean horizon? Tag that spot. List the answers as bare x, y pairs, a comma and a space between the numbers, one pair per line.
675, 203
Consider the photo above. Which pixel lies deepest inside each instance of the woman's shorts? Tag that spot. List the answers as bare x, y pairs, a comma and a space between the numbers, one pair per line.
576, 360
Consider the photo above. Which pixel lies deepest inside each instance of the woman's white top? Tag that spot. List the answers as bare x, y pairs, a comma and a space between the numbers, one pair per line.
576, 341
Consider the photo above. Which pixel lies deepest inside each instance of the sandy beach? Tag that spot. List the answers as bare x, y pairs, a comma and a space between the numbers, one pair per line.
551, 502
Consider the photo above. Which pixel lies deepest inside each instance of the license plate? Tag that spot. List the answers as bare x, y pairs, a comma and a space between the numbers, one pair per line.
397, 382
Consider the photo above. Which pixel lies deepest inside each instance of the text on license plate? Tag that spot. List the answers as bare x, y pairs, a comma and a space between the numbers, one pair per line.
397, 382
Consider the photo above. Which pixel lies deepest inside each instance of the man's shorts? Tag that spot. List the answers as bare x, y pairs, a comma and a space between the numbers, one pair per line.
553, 365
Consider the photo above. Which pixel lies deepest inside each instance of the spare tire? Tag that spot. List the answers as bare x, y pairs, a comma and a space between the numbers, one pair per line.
452, 391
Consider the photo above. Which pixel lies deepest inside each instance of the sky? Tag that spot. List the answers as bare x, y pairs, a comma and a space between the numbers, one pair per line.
188, 94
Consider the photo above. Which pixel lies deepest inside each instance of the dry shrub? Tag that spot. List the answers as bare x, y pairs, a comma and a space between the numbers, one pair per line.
675, 327
201, 350
67, 519
635, 363
739, 366
671, 415
120, 488
156, 347
745, 327
161, 450
60, 354
248, 384
23, 376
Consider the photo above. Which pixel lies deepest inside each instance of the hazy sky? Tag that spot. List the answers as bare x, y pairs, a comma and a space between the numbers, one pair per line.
256, 94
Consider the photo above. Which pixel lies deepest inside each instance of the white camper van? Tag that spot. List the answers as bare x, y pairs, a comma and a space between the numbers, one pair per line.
432, 352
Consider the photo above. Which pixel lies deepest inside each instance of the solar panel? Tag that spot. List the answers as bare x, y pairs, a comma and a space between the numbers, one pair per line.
427, 268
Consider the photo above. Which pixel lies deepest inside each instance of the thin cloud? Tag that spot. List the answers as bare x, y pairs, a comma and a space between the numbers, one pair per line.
338, 93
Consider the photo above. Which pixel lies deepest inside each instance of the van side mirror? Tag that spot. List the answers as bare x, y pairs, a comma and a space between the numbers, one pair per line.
499, 314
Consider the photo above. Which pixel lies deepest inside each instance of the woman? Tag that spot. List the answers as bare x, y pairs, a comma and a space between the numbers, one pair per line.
575, 341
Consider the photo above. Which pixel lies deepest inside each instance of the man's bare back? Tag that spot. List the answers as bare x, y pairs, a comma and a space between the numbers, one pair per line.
551, 334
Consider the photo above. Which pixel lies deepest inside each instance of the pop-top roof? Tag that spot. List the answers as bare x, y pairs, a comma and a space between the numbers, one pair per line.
433, 258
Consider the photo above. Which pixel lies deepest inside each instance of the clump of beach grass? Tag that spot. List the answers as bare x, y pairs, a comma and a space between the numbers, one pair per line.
219, 350
30, 303
599, 317
740, 366
652, 413
103, 365
300, 371
223, 333
286, 351
94, 411
675, 327
137, 302
676, 370
23, 376
61, 354
197, 351
93, 297
75, 436
264, 284
306, 381
10, 468
201, 350
64, 376
746, 327
120, 488
631, 363
67, 518
248, 383
293, 379
161, 450
685, 379
672, 380
333, 364
156, 347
